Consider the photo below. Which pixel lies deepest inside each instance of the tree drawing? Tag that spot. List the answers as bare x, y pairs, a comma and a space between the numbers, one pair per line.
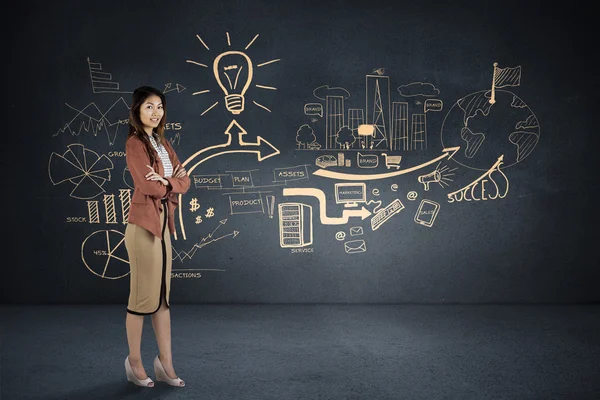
305, 136
345, 138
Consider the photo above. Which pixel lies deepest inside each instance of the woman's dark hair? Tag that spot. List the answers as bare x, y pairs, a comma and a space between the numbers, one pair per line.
136, 128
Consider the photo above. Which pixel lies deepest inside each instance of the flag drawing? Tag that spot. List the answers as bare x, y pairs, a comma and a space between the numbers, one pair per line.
503, 77
507, 76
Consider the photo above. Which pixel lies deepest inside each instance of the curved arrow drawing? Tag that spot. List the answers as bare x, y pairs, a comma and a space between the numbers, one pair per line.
320, 195
447, 152
496, 167
261, 147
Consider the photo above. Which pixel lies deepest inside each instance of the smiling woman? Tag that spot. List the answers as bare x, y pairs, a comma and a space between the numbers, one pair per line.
150, 158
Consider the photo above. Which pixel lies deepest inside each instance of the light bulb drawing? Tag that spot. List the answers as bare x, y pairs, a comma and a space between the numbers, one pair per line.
233, 71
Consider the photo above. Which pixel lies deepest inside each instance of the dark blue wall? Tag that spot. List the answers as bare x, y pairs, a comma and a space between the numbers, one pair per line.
73, 66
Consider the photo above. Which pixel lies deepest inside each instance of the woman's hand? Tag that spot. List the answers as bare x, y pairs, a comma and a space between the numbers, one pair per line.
153, 176
179, 171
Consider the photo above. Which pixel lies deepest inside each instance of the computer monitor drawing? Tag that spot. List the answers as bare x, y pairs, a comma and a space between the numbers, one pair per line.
350, 194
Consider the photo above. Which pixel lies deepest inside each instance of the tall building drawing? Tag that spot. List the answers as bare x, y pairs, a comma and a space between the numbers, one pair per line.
399, 135
334, 120
355, 118
378, 109
419, 132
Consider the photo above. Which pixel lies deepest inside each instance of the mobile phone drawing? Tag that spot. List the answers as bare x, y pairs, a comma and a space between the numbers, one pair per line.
427, 212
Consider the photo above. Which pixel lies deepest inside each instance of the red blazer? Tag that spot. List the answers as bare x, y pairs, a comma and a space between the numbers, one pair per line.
145, 203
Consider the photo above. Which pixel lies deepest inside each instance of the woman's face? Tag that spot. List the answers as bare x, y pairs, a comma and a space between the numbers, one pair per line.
151, 112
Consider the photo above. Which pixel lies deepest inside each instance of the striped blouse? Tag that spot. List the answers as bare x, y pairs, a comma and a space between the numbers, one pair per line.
164, 157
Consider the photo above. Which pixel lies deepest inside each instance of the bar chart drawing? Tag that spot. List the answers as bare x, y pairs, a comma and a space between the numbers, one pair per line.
102, 82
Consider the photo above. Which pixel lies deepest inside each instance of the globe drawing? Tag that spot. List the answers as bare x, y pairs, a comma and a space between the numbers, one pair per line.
485, 131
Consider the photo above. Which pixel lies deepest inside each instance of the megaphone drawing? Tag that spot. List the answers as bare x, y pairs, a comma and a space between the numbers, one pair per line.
426, 179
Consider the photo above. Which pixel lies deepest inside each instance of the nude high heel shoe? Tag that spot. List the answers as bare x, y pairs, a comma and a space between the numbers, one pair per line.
132, 378
162, 376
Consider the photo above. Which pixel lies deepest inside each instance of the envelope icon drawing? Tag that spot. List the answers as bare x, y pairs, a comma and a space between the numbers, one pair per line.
356, 231
355, 246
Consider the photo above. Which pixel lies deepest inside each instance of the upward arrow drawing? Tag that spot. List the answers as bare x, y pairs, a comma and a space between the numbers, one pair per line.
261, 147
447, 152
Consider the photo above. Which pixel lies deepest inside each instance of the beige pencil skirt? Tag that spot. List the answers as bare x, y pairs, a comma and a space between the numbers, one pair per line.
150, 267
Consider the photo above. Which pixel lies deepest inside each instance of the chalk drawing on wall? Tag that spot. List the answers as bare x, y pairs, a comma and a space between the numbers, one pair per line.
412, 195
386, 213
338, 135
233, 71
306, 138
208, 181
492, 122
169, 87
439, 175
211, 238
270, 200
127, 179
392, 161
109, 209
104, 254
446, 153
81, 167
246, 203
295, 225
92, 119
477, 190
350, 194
322, 200
244, 180
356, 231
502, 77
102, 82
125, 201
377, 110
95, 214
290, 174
414, 112
355, 246
261, 147
326, 160
194, 205
175, 139
369, 160
382, 125
394, 187
427, 212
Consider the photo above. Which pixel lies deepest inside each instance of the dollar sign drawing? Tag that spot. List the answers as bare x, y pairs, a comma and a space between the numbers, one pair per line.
194, 205
210, 212
199, 219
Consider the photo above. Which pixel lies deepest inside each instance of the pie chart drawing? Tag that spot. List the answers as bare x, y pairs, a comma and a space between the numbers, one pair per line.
81, 167
105, 255
127, 178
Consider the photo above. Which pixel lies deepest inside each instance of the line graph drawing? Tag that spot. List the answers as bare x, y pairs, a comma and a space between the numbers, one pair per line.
83, 168
205, 241
91, 119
